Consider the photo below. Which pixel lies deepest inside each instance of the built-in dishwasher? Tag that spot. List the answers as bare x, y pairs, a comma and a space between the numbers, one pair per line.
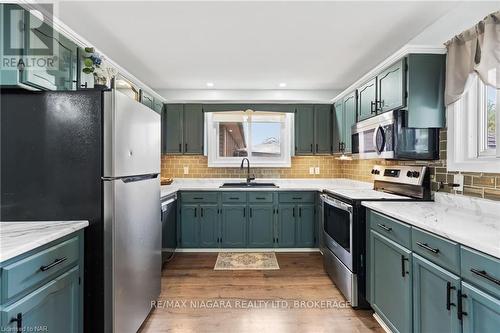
169, 227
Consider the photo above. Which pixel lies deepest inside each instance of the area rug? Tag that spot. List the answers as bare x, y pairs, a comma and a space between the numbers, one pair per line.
233, 261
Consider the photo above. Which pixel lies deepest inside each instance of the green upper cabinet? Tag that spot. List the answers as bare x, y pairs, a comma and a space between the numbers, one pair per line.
209, 225
367, 96
304, 129
349, 108
306, 232
481, 311
323, 129
234, 225
338, 132
391, 87
434, 298
146, 99
425, 85
193, 129
390, 279
261, 225
173, 128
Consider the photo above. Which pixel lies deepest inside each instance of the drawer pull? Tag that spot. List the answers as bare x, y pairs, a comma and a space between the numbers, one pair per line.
55, 263
384, 227
449, 288
197, 198
233, 198
485, 275
427, 247
260, 198
297, 198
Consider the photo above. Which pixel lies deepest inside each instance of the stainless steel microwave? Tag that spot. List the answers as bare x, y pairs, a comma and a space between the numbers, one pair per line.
387, 136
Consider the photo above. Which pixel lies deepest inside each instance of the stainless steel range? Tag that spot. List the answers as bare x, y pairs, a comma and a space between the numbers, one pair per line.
343, 241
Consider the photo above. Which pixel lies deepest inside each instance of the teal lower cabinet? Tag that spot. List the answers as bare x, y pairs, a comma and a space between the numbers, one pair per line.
286, 225
306, 236
434, 298
261, 226
189, 228
42, 290
391, 283
209, 225
234, 225
480, 310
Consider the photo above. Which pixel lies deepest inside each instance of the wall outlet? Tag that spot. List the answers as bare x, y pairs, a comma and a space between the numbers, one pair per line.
316, 170
458, 179
311, 170
186, 170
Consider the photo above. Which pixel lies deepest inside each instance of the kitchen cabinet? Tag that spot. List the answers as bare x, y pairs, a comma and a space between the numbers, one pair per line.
391, 87
234, 225
304, 129
183, 128
367, 97
44, 288
322, 129
349, 108
338, 133
434, 298
189, 228
391, 283
313, 129
305, 226
209, 225
286, 225
480, 310
261, 225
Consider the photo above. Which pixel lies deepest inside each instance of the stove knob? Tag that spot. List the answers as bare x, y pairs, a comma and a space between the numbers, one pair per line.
377, 172
416, 174
409, 174
373, 171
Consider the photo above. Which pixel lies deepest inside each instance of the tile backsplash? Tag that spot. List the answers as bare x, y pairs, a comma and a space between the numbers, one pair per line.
482, 185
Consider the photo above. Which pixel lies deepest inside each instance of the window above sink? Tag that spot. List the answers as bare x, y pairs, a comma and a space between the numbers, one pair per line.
265, 138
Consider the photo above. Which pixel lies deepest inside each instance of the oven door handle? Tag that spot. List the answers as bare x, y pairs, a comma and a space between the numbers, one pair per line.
336, 203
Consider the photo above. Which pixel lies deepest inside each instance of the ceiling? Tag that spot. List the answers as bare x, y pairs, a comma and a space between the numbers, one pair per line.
249, 45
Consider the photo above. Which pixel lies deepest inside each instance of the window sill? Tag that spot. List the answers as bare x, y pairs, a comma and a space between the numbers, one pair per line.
253, 164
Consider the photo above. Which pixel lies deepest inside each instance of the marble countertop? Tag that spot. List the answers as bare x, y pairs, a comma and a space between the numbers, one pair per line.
213, 184
20, 237
470, 221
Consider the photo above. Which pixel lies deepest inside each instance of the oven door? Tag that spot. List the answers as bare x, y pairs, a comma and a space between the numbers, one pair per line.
337, 229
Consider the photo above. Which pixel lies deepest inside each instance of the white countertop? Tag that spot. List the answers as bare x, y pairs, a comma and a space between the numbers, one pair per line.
213, 184
470, 221
17, 238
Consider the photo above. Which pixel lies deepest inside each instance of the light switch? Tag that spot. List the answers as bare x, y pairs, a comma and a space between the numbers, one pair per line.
316, 170
186, 170
311, 170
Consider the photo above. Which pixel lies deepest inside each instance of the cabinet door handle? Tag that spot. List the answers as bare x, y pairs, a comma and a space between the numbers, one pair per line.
485, 275
403, 268
383, 226
293, 211
201, 211
449, 288
19, 322
311, 147
316, 147
373, 107
427, 247
185, 147
300, 211
180, 147
251, 212
195, 212
244, 212
55, 263
460, 312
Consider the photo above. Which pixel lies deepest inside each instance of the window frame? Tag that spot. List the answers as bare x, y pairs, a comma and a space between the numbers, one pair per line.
212, 145
467, 131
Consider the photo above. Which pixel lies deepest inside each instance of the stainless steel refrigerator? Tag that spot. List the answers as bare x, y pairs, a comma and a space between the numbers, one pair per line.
132, 221
92, 155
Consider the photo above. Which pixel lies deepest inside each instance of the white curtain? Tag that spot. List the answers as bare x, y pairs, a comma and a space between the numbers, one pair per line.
476, 50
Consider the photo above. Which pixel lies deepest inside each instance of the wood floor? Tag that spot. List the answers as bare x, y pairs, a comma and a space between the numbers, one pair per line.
195, 298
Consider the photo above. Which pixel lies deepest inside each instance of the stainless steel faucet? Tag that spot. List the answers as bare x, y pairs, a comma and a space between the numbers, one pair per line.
249, 179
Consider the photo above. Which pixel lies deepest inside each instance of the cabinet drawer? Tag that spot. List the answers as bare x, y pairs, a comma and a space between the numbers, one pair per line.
188, 197
441, 251
239, 197
480, 269
28, 272
392, 229
260, 196
296, 197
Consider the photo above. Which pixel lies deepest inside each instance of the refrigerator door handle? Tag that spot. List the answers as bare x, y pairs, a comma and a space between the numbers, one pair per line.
130, 179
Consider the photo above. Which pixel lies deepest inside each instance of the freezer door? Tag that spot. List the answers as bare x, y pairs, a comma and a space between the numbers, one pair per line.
131, 137
132, 251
